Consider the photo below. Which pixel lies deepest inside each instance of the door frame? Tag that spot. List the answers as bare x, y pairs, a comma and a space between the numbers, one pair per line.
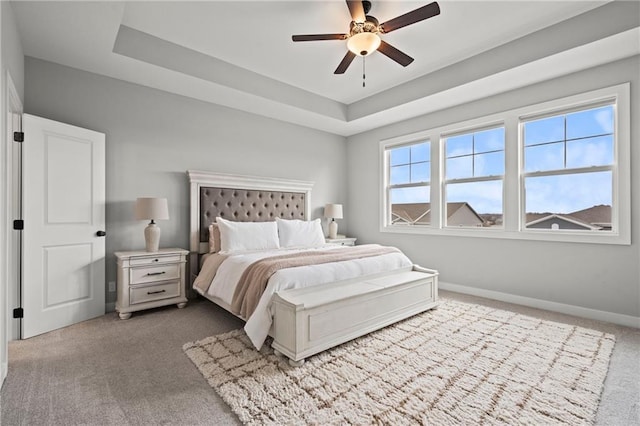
13, 209
9, 289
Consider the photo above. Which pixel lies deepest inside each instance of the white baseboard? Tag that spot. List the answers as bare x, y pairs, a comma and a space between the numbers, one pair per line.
578, 311
110, 307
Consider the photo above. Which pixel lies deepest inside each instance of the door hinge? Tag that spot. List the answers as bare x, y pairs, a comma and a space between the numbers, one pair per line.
18, 313
18, 136
18, 225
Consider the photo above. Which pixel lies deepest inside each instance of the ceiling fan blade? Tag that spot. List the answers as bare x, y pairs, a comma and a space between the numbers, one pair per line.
356, 10
420, 14
316, 37
346, 61
393, 53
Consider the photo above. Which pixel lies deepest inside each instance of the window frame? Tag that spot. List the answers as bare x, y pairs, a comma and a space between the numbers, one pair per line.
388, 187
486, 178
513, 180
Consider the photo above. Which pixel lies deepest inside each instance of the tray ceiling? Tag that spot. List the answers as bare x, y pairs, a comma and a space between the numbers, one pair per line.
240, 53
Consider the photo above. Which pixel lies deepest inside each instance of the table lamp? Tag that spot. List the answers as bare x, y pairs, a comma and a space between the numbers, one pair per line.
153, 209
333, 211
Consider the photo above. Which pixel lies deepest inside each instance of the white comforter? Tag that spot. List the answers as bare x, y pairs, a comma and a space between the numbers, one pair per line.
258, 324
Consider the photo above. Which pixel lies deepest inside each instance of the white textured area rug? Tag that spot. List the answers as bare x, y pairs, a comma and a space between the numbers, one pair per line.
458, 364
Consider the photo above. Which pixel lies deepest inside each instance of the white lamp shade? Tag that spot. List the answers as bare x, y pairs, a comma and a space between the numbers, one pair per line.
333, 211
152, 208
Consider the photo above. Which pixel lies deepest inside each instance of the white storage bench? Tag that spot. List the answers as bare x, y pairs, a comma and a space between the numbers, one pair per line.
310, 320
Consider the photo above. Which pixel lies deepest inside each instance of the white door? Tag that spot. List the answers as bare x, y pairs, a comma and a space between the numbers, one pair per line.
64, 224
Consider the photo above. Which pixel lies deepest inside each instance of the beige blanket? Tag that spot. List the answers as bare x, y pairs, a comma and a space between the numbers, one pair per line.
208, 271
254, 279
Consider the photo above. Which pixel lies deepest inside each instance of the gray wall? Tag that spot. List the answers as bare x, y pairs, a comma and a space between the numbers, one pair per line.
153, 137
12, 57
602, 277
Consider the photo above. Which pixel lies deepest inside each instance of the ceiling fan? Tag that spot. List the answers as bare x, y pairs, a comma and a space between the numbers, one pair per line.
364, 33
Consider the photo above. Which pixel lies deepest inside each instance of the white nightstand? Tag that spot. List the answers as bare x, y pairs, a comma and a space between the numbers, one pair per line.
341, 241
148, 280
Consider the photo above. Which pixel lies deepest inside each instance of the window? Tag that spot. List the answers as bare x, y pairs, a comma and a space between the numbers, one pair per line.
568, 170
554, 171
408, 184
474, 169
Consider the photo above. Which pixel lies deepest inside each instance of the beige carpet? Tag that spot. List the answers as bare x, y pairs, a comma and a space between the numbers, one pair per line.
459, 364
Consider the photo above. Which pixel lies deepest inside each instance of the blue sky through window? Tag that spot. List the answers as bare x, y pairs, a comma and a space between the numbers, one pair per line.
410, 164
475, 154
576, 140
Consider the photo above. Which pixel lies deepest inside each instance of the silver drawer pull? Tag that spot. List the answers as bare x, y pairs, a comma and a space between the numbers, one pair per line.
156, 292
156, 273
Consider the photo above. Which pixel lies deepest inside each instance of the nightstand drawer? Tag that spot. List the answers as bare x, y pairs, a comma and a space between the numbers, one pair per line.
149, 293
155, 273
153, 260
346, 241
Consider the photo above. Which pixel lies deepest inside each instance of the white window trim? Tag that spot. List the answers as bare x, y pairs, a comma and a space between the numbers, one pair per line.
513, 227
385, 210
488, 178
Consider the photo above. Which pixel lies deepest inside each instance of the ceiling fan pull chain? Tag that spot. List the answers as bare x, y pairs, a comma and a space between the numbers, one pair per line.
363, 74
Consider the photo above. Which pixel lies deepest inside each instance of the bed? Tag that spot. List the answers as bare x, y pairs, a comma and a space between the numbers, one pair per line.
311, 298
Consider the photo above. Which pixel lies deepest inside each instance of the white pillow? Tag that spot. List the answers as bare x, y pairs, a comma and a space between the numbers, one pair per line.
243, 236
300, 233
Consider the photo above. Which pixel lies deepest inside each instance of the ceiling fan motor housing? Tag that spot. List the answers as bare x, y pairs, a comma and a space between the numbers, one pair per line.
371, 25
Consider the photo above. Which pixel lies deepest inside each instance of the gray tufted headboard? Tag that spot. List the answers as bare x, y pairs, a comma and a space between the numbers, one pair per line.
244, 199
246, 205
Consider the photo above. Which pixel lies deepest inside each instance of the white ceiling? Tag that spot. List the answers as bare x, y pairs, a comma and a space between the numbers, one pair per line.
240, 53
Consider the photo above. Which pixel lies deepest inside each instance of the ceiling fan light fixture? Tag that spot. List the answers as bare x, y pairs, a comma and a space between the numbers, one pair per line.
364, 43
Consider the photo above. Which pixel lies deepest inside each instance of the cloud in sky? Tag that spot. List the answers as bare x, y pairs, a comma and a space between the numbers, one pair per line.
484, 197
420, 194
567, 193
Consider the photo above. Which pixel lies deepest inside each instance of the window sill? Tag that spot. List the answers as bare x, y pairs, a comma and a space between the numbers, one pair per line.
552, 236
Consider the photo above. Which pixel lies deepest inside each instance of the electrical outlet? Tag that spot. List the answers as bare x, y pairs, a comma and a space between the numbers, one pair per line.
112, 286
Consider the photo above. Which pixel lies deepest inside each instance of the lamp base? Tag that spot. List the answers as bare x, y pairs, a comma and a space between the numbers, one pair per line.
152, 237
333, 230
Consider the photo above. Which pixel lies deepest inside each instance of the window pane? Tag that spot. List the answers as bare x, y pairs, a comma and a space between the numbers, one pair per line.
460, 167
420, 152
544, 157
410, 206
489, 140
399, 156
491, 164
590, 152
546, 130
474, 203
579, 201
419, 194
592, 122
420, 172
399, 175
459, 145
